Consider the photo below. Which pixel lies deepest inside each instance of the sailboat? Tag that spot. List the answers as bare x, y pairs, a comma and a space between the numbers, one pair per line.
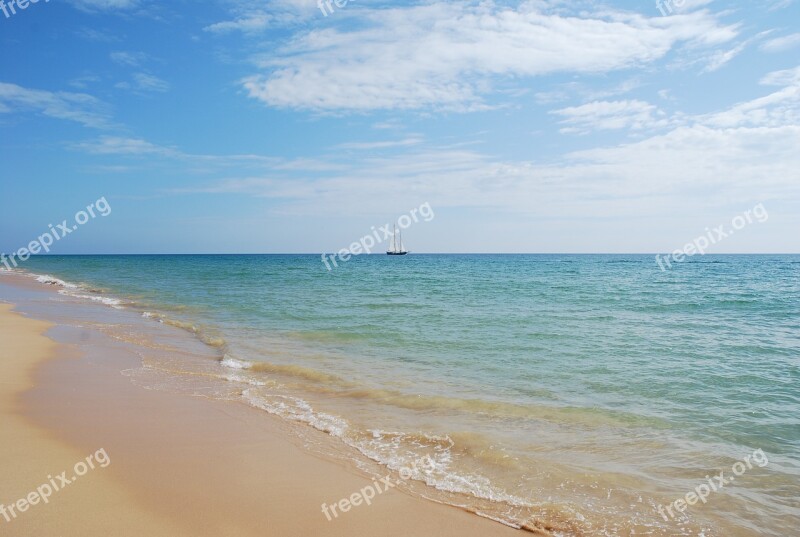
396, 246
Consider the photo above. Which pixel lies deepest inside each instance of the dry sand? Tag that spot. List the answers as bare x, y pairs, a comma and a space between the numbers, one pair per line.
179, 465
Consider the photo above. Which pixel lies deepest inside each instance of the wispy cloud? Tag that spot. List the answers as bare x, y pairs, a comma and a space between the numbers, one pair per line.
132, 59
138, 148
148, 82
778, 109
104, 5
586, 92
252, 22
255, 16
722, 57
781, 44
785, 77
116, 145
611, 115
380, 145
93, 34
144, 83
78, 107
83, 82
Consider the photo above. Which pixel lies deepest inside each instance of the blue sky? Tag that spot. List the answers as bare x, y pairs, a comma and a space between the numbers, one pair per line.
267, 126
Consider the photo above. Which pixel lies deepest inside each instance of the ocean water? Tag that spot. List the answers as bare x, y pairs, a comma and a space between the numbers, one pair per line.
571, 394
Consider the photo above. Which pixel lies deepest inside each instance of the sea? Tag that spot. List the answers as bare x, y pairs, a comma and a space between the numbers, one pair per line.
566, 394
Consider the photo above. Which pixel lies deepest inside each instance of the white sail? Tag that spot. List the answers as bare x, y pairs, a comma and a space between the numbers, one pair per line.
393, 244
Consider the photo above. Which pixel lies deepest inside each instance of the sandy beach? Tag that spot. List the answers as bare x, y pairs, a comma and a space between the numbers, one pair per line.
174, 465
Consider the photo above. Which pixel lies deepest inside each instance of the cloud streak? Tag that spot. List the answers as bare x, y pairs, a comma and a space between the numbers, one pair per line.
78, 107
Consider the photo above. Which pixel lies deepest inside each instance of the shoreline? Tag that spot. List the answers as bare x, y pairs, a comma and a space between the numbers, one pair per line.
202, 467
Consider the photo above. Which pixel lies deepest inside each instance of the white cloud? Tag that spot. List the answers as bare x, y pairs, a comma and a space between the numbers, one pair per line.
147, 82
78, 107
380, 145
196, 163
779, 4
104, 5
444, 55
144, 83
132, 59
781, 108
586, 92
252, 22
82, 82
115, 145
609, 115
780, 44
93, 34
722, 57
254, 16
786, 77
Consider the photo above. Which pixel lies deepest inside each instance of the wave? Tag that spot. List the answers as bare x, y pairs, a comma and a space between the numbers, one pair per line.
296, 409
233, 377
50, 280
94, 294
427, 459
76, 290
233, 363
205, 337
108, 301
296, 371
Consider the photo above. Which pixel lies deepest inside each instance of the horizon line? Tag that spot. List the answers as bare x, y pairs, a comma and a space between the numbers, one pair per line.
410, 253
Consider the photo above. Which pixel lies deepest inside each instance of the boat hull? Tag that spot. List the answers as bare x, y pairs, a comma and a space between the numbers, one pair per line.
396, 253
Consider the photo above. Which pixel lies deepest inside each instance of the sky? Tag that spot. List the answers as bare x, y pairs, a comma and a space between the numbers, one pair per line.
283, 126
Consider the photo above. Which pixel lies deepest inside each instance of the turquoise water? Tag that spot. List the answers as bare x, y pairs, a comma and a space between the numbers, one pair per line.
598, 382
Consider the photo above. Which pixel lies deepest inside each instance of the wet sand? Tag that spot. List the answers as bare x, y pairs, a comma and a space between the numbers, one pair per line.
179, 465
